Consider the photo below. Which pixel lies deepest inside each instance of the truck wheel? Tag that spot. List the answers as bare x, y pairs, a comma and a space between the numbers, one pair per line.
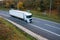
31, 22
26, 21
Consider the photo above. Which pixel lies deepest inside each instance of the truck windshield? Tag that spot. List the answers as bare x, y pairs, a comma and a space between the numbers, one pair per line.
29, 16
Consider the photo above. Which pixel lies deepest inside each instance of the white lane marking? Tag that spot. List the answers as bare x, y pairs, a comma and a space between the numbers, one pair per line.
52, 26
46, 30
46, 20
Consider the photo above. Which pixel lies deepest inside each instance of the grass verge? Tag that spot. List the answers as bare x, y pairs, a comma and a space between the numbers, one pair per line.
4, 9
11, 32
46, 17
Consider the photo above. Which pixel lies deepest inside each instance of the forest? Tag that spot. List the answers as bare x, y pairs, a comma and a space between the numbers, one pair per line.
49, 8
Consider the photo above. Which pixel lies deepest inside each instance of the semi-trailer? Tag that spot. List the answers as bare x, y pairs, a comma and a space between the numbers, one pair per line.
27, 16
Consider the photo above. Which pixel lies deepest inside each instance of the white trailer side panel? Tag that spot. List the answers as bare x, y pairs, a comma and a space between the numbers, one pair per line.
17, 13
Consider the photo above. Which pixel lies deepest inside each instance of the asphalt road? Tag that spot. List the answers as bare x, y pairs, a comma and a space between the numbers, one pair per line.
47, 29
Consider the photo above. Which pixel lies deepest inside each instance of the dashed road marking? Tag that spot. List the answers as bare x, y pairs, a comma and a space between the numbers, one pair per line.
45, 30
52, 26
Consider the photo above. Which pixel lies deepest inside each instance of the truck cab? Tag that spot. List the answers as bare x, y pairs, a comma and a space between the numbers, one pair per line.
28, 17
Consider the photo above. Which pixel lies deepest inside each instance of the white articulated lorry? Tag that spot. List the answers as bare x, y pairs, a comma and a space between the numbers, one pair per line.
21, 14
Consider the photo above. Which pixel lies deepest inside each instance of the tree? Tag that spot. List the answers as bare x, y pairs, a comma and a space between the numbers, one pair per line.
42, 6
58, 11
20, 5
7, 5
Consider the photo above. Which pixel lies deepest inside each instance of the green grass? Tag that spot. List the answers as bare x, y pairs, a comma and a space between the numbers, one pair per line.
39, 14
12, 32
2, 8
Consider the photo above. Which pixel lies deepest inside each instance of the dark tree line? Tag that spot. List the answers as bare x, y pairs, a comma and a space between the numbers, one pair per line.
31, 4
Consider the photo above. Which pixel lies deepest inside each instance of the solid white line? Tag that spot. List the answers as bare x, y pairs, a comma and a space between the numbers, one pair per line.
45, 30
46, 20
52, 26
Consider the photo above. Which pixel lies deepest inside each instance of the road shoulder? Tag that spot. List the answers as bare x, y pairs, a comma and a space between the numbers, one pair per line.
38, 37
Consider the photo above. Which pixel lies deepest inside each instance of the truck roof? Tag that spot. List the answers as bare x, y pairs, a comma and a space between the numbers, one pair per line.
26, 13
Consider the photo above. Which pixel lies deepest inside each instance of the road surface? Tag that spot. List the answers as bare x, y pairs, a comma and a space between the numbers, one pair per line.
47, 29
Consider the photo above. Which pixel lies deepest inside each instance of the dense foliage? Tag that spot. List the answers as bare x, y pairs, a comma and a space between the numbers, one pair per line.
31, 4
52, 7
